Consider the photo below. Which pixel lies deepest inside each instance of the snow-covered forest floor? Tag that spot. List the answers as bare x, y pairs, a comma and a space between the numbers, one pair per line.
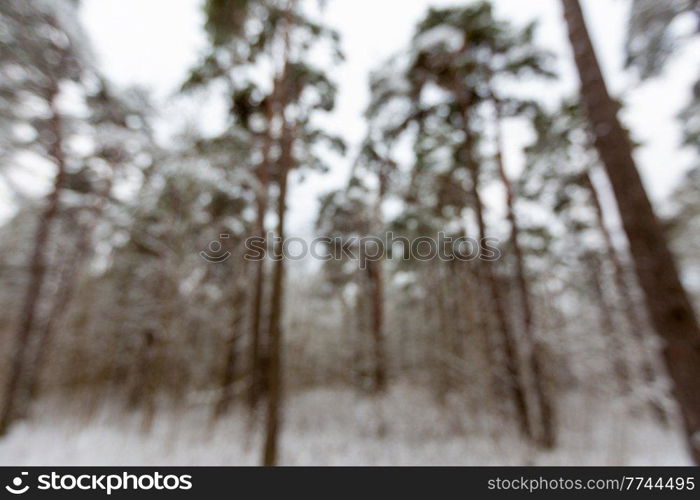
340, 427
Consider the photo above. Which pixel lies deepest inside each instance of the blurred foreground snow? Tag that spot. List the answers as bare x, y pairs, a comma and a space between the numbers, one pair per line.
340, 427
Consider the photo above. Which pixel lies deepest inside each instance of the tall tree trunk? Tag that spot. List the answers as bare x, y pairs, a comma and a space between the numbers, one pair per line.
669, 307
274, 355
15, 391
547, 435
285, 166
257, 386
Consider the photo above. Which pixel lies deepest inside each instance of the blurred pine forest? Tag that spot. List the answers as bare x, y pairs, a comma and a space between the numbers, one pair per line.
125, 284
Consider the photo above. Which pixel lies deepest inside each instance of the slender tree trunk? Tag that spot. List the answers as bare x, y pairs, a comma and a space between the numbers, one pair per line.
255, 389
547, 437
257, 385
276, 306
15, 391
669, 307
275, 341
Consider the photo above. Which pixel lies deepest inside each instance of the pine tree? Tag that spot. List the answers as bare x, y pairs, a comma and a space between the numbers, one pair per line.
45, 40
669, 307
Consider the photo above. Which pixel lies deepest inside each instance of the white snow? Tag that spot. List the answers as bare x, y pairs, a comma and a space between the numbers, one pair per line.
340, 427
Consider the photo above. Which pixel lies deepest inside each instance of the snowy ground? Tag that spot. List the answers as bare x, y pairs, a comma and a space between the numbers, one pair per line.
339, 427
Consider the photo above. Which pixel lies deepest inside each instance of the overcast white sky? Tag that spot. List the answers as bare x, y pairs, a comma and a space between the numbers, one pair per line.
154, 42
